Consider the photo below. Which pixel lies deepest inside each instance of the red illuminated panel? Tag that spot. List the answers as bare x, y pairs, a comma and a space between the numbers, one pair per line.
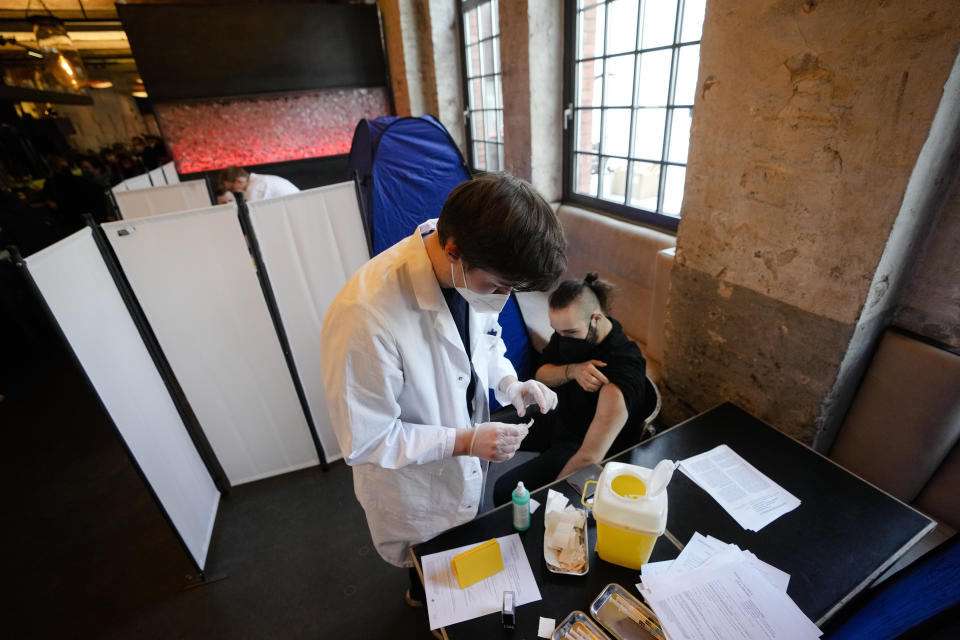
247, 131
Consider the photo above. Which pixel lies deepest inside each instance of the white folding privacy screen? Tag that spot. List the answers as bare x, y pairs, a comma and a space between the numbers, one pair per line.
183, 196
156, 177
76, 285
170, 173
311, 243
194, 278
162, 175
141, 181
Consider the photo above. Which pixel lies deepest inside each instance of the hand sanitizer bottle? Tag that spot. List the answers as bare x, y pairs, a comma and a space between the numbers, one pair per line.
521, 508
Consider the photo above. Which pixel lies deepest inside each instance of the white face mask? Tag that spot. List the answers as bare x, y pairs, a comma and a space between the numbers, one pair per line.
479, 302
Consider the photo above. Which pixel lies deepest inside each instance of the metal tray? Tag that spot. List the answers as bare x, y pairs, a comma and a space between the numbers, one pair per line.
586, 549
625, 617
573, 626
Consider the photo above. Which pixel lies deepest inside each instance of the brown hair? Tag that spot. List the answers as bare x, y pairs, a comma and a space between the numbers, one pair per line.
570, 290
501, 224
228, 175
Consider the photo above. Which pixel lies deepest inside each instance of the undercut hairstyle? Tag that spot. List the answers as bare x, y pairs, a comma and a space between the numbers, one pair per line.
570, 291
501, 224
228, 175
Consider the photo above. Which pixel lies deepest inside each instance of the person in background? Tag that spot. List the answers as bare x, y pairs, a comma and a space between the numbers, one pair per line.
112, 165
157, 146
224, 196
255, 186
599, 375
148, 155
410, 347
93, 170
70, 196
129, 165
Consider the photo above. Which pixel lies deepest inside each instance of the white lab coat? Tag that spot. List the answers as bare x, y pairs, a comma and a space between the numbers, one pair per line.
395, 374
261, 187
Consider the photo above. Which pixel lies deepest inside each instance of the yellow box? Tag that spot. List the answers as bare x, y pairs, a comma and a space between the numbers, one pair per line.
473, 565
629, 549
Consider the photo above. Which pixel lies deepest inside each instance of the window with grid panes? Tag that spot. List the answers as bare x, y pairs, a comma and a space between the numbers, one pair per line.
484, 97
631, 86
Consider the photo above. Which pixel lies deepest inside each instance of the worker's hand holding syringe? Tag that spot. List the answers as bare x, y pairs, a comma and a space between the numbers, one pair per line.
497, 441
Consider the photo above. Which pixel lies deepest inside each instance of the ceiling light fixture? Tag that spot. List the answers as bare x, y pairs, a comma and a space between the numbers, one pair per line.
63, 67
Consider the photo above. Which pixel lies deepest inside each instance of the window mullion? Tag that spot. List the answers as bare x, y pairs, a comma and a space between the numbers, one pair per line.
628, 186
668, 120
601, 165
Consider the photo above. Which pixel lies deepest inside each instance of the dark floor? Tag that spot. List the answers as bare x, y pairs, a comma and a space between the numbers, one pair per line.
90, 556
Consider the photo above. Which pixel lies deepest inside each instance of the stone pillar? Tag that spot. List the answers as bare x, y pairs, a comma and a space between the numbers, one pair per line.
423, 50
927, 191
448, 83
808, 124
515, 73
531, 61
545, 37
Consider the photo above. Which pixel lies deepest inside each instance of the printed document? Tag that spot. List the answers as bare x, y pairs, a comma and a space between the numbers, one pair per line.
750, 497
716, 590
448, 604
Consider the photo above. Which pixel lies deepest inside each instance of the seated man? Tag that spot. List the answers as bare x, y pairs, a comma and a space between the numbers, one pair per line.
599, 375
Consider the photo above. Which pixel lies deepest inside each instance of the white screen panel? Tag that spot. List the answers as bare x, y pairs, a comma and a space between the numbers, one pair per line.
184, 196
157, 178
170, 173
141, 181
311, 243
81, 294
195, 279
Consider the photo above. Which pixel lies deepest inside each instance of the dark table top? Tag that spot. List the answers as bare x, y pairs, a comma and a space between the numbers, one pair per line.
842, 536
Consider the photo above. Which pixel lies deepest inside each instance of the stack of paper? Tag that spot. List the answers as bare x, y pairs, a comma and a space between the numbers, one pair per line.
750, 497
717, 590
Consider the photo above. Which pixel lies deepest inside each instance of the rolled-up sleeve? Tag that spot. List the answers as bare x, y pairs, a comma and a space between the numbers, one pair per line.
362, 378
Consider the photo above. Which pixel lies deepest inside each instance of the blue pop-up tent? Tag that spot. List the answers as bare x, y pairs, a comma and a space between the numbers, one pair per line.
403, 169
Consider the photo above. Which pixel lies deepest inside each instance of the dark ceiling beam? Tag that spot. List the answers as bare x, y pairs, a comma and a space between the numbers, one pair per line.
12, 24
21, 94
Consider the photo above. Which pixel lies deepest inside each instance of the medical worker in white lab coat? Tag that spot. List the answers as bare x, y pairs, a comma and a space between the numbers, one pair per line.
255, 186
409, 406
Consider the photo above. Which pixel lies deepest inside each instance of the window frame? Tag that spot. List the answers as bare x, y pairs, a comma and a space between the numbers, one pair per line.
463, 6
630, 213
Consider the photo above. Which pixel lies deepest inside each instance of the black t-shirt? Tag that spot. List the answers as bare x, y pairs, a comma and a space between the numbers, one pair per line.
625, 368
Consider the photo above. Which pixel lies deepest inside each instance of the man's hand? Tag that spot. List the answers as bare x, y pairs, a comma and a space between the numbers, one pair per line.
529, 392
587, 374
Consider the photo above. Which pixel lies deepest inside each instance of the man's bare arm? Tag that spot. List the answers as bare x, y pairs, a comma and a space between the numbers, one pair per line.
607, 422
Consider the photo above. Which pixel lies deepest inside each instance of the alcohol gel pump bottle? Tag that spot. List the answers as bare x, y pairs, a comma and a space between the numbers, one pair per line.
521, 508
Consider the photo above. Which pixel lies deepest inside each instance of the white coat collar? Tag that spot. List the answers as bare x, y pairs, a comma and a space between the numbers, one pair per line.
429, 297
426, 287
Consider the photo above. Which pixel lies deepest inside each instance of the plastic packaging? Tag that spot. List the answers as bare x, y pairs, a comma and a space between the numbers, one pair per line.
565, 537
625, 617
521, 508
578, 626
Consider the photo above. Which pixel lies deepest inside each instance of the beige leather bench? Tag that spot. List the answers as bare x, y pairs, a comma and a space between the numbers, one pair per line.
635, 259
902, 432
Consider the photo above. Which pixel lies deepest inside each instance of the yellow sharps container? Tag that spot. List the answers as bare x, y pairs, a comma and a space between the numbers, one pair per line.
630, 507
